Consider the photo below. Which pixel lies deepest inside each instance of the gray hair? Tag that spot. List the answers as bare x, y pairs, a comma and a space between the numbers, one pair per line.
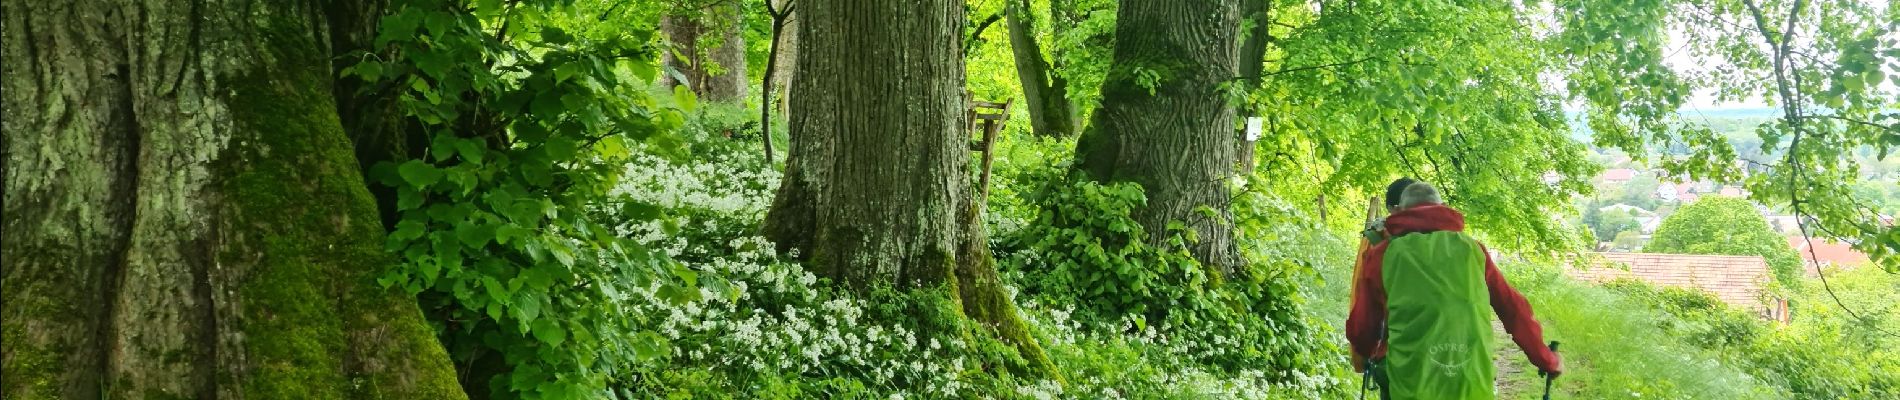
1418, 194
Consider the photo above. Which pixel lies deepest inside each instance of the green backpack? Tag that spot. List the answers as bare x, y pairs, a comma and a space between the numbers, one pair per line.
1438, 327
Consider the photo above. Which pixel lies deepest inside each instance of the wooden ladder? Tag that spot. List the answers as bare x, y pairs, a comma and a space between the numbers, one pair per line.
989, 117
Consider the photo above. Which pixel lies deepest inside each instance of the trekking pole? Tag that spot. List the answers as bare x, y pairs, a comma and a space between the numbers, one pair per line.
1365, 380
1547, 377
1365, 383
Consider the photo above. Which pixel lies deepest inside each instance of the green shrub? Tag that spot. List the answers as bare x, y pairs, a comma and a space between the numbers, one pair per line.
1615, 346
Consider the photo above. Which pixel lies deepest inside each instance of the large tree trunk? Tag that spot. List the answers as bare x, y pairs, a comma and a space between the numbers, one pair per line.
1253, 54
876, 190
183, 215
1178, 142
1045, 93
714, 68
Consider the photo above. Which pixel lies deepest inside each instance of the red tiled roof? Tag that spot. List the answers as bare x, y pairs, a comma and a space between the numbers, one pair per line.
1827, 251
1736, 280
1619, 174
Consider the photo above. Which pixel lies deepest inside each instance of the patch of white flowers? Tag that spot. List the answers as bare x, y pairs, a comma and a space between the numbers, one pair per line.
773, 321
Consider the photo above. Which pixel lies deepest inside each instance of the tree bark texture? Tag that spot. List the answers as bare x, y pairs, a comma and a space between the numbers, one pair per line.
1253, 54
1044, 92
1177, 139
183, 215
787, 59
877, 190
714, 65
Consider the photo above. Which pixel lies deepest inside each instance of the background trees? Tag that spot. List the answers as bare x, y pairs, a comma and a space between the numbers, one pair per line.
1727, 226
876, 191
571, 225
1165, 124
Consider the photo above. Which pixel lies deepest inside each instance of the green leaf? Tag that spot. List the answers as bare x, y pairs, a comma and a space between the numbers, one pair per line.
496, 292
385, 173
510, 232
407, 198
422, 86
430, 270
419, 173
550, 332
642, 69
474, 235
686, 274
443, 146
439, 23
407, 230
612, 147
561, 148
648, 345
685, 97
567, 71
547, 105
562, 254
470, 150
677, 294
555, 35
527, 306
369, 70
538, 175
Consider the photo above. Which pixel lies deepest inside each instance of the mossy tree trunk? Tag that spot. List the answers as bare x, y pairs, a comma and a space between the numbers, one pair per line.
1045, 92
714, 67
1164, 122
877, 189
183, 215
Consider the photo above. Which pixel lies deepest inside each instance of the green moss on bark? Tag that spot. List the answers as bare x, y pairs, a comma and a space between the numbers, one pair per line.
32, 372
303, 242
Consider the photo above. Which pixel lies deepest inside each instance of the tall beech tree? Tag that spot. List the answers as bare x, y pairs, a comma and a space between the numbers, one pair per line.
1045, 92
876, 190
1165, 123
709, 50
184, 218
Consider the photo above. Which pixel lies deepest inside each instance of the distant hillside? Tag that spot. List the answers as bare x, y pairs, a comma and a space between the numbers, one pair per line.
1725, 117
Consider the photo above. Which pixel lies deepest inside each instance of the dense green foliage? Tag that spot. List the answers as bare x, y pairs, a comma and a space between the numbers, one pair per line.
496, 227
574, 230
1822, 355
1726, 226
1823, 64
1083, 248
1615, 346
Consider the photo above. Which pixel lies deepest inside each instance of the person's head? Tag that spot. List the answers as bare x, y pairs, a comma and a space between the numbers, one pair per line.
1394, 191
1418, 194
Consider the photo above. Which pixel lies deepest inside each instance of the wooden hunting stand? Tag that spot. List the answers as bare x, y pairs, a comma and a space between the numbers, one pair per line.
989, 123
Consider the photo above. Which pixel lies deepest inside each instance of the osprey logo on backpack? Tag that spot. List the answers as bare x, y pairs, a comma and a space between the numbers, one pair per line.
1449, 358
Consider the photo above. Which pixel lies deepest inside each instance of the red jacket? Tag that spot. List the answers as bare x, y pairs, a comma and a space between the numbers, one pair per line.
1366, 324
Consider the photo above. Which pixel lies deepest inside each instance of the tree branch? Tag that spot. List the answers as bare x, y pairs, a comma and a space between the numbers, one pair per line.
977, 36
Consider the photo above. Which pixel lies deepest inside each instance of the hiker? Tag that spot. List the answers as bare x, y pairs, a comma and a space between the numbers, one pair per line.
1418, 305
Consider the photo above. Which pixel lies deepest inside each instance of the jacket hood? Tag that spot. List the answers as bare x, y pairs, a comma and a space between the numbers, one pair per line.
1429, 217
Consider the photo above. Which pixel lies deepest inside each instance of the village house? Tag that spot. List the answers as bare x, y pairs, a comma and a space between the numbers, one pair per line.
1826, 253
1618, 175
1739, 281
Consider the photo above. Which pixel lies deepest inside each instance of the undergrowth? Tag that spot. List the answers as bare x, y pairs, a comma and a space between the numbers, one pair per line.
768, 329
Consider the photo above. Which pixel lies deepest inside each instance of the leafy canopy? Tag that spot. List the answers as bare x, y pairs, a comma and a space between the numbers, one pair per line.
1725, 226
